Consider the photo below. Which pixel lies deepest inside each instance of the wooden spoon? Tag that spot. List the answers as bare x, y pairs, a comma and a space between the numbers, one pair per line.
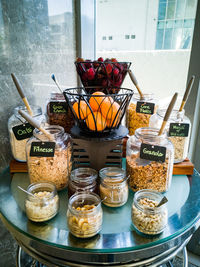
167, 113
21, 93
35, 124
187, 92
133, 79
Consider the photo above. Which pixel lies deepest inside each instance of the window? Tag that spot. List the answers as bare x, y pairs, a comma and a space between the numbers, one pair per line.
132, 36
127, 36
110, 38
104, 38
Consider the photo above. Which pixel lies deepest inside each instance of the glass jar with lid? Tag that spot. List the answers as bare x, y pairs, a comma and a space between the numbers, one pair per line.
147, 218
113, 186
44, 203
58, 112
84, 214
139, 112
50, 160
82, 179
149, 160
20, 131
178, 130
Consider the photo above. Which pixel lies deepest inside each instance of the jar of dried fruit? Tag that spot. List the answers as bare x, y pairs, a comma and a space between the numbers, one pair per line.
58, 112
178, 130
84, 214
147, 218
20, 131
149, 160
113, 186
139, 112
50, 160
82, 179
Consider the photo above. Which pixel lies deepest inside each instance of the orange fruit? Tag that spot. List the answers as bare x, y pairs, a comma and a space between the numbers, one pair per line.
99, 119
95, 102
110, 122
81, 109
109, 110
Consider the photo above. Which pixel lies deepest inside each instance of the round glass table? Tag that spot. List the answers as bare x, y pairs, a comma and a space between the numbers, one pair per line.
117, 244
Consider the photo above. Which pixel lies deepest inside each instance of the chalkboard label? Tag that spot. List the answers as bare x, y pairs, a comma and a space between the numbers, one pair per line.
179, 129
23, 131
58, 107
42, 149
153, 153
145, 107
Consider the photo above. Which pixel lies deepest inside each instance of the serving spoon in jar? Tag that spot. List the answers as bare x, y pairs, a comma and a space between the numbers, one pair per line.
54, 79
135, 82
30, 194
163, 201
187, 92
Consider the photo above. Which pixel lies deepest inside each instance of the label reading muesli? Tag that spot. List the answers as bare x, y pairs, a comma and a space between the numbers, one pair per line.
179, 129
152, 152
23, 131
42, 149
145, 107
58, 107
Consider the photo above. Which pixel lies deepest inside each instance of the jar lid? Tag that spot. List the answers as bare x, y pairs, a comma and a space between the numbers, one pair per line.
83, 175
113, 174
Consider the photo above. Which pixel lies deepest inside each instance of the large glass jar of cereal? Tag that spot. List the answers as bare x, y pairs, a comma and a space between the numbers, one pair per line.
47, 160
59, 113
139, 112
20, 131
178, 130
149, 160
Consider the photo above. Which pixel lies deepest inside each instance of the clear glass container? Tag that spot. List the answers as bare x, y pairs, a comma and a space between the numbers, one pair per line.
48, 167
44, 205
58, 112
82, 179
138, 114
149, 173
147, 218
20, 131
113, 186
176, 131
84, 214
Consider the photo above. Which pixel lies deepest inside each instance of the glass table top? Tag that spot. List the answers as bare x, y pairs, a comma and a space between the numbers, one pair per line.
117, 232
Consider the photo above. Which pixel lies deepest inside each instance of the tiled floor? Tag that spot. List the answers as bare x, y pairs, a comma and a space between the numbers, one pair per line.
8, 248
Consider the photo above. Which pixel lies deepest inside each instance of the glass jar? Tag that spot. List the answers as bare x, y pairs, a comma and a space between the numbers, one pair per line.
20, 131
50, 161
139, 112
149, 160
84, 214
82, 179
44, 204
178, 130
58, 112
113, 186
147, 218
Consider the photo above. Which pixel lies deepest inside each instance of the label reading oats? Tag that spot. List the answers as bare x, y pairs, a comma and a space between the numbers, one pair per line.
152, 152
179, 129
23, 131
42, 149
145, 107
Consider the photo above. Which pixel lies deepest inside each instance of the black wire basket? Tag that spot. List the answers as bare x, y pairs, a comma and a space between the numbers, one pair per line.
108, 75
97, 112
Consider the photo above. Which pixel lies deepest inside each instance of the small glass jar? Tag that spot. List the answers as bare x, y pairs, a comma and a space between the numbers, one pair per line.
82, 179
58, 112
113, 186
175, 128
139, 112
147, 218
44, 204
84, 214
20, 131
147, 173
51, 167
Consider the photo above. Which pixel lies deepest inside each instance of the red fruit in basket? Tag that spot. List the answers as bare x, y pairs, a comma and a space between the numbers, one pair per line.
115, 72
113, 60
100, 59
109, 68
79, 59
95, 64
90, 74
88, 63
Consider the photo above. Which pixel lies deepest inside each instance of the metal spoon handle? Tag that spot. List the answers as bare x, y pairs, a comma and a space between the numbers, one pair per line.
163, 201
30, 194
54, 79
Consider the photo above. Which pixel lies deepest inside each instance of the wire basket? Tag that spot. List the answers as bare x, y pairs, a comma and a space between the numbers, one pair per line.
98, 112
108, 75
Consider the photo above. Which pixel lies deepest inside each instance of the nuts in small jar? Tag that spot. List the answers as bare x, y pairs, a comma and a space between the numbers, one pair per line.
147, 218
84, 220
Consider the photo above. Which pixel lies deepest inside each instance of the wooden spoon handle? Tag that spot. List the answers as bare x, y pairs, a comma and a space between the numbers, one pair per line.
135, 82
35, 124
167, 113
187, 92
21, 93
